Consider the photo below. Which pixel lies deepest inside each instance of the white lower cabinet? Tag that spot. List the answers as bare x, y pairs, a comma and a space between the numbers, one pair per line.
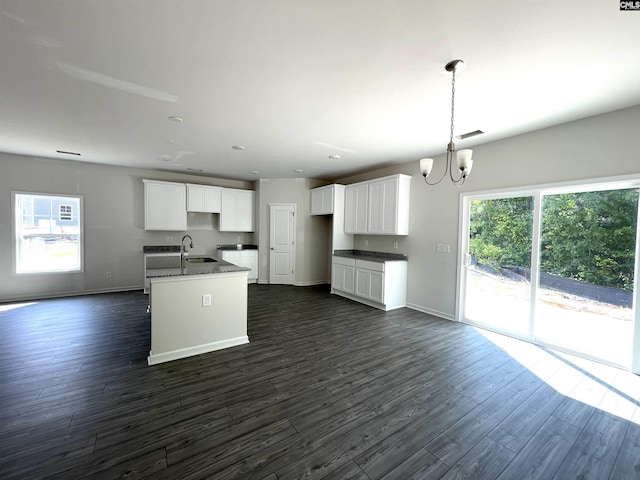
370, 280
343, 274
243, 258
380, 284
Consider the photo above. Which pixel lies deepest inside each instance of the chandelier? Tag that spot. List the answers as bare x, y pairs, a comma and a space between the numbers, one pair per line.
463, 157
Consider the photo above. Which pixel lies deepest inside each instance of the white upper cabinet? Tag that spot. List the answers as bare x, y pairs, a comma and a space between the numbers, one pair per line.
322, 200
237, 212
165, 206
355, 208
203, 198
389, 206
378, 207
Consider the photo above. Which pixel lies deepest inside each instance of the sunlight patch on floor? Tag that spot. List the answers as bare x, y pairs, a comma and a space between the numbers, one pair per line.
12, 306
601, 386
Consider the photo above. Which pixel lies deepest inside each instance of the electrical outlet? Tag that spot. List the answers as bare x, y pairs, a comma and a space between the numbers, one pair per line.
206, 300
366, 243
107, 274
395, 244
443, 248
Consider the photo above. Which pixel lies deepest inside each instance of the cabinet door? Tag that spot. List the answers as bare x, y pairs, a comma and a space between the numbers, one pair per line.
165, 206
370, 284
249, 259
322, 200
376, 286
228, 211
317, 202
203, 198
242, 258
245, 207
212, 199
155, 199
231, 256
362, 283
326, 200
176, 207
343, 278
383, 206
355, 209
237, 210
195, 198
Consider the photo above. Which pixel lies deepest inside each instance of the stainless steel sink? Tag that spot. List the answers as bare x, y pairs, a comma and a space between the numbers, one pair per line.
200, 259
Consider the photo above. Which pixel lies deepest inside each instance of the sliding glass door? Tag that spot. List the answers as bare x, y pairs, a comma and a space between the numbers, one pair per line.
554, 266
587, 257
498, 289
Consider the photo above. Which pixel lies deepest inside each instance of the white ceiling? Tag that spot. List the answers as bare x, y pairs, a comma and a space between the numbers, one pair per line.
295, 81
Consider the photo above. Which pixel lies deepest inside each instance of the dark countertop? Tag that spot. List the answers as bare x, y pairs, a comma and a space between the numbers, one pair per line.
237, 246
371, 256
173, 270
161, 249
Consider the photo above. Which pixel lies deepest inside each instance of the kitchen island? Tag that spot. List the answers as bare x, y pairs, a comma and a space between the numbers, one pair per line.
198, 309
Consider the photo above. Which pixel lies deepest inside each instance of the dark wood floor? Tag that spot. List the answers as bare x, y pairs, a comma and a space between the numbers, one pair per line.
327, 388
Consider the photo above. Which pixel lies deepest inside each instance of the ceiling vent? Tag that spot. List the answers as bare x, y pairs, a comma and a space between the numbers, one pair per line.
469, 134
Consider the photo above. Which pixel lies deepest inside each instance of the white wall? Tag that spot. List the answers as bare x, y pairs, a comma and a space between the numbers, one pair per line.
313, 233
113, 224
596, 147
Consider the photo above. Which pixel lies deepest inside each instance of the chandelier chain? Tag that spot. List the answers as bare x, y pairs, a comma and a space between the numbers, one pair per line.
453, 92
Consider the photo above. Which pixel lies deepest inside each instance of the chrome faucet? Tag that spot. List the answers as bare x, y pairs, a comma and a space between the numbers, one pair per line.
182, 251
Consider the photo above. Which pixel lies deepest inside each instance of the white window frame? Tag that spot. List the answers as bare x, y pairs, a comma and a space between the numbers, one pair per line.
16, 215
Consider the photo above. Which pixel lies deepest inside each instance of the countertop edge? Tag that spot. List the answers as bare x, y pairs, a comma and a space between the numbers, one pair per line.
237, 246
371, 256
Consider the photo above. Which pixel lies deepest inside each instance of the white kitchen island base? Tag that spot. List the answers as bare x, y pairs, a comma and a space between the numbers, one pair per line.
182, 327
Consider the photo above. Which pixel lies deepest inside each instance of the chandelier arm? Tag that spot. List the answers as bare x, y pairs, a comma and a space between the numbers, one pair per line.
460, 178
444, 174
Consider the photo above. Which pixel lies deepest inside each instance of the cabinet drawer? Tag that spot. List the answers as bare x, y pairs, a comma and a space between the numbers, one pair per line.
349, 262
369, 265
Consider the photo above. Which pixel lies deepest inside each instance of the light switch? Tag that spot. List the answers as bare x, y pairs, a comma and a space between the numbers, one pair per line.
206, 300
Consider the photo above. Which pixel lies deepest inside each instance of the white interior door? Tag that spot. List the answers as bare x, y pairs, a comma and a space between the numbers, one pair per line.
282, 253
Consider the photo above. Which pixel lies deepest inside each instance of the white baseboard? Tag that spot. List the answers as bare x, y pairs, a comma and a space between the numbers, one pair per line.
365, 301
430, 311
197, 350
311, 283
95, 291
298, 284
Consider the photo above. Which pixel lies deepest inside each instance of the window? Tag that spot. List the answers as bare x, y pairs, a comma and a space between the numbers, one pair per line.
48, 233
556, 266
